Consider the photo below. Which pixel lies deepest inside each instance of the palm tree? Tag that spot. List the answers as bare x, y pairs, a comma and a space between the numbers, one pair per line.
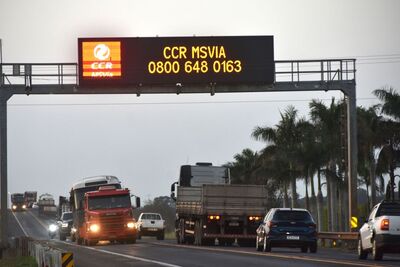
243, 166
390, 152
327, 123
285, 137
391, 102
369, 139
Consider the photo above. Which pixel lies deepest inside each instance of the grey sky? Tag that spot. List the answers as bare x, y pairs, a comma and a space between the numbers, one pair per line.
55, 140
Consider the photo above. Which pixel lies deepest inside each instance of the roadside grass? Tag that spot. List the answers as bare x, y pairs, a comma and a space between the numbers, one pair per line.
21, 261
169, 235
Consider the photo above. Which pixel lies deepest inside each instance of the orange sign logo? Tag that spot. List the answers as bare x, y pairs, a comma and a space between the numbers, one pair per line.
101, 59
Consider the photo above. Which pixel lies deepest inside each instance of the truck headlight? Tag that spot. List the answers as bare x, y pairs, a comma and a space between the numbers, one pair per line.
94, 228
24, 206
131, 225
14, 207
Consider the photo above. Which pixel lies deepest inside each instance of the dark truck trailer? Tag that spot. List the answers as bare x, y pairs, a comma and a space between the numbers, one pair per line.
30, 198
223, 212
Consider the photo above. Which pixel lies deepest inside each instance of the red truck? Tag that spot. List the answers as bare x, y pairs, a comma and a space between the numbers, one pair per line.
104, 213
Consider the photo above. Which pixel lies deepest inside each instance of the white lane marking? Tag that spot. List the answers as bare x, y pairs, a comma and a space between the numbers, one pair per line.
20, 225
271, 254
38, 220
122, 255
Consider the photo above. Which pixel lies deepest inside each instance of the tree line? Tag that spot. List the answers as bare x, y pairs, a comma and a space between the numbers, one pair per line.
299, 149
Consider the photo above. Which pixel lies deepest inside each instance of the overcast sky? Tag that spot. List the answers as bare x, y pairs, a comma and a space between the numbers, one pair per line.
55, 140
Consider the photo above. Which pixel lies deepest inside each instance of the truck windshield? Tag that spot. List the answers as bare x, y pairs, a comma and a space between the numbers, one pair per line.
67, 216
109, 202
18, 198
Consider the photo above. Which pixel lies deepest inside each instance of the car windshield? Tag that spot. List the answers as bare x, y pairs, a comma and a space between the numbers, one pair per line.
389, 209
67, 216
109, 202
151, 216
292, 216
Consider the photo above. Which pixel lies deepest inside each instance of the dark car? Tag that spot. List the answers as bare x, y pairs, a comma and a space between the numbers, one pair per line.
285, 227
65, 225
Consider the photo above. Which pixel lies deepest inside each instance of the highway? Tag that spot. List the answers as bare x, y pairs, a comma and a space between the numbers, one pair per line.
150, 252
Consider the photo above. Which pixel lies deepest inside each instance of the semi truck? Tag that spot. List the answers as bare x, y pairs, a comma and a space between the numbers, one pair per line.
63, 206
30, 198
101, 210
47, 205
209, 208
18, 202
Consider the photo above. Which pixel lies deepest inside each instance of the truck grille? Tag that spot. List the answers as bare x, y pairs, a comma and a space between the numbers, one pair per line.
111, 222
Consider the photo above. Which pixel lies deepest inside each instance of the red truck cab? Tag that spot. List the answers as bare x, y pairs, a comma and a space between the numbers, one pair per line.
108, 215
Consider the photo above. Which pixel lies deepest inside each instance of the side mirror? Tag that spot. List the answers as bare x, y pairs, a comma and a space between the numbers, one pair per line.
173, 196
137, 202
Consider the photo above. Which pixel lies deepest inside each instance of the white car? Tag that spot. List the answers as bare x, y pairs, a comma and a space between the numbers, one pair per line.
151, 224
381, 232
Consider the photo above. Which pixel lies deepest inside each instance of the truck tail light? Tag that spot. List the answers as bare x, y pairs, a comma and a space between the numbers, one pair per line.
385, 225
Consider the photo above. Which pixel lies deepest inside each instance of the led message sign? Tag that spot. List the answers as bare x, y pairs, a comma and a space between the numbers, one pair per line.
172, 60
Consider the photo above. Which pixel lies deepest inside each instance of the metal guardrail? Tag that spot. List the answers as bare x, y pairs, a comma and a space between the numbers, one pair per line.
338, 235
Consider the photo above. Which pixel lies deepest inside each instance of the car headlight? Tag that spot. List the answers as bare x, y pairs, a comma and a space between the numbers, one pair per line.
94, 227
131, 225
64, 225
14, 207
53, 228
24, 206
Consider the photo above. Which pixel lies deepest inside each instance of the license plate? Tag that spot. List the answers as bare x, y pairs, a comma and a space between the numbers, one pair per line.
233, 224
292, 237
152, 229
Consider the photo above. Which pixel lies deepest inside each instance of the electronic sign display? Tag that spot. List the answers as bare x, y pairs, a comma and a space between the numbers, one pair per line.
173, 60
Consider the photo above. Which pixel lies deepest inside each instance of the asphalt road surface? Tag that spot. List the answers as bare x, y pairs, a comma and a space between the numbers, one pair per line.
150, 252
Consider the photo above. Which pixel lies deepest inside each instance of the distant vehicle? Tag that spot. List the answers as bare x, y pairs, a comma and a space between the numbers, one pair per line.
208, 207
35, 205
18, 202
63, 206
47, 205
102, 211
285, 227
30, 197
65, 225
151, 224
381, 232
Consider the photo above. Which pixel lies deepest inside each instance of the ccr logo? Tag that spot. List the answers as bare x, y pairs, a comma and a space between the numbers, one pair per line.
101, 52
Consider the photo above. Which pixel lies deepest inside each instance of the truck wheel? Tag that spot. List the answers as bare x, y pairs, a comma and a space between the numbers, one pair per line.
314, 248
362, 254
160, 236
377, 253
258, 246
131, 241
139, 236
266, 245
182, 239
79, 240
63, 237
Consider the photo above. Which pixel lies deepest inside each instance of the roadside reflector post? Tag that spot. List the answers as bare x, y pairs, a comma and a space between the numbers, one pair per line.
354, 222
